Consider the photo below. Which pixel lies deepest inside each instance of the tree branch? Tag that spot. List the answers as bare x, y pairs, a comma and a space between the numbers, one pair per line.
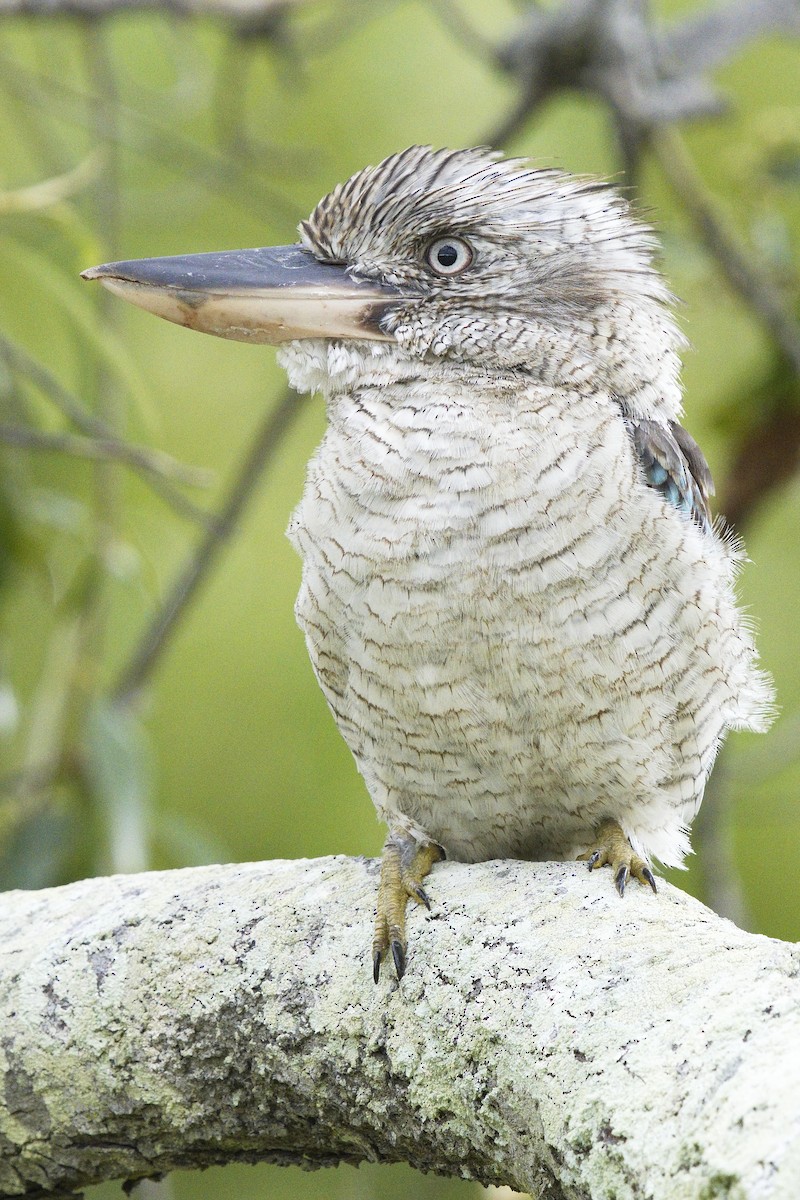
198, 565
742, 271
547, 1035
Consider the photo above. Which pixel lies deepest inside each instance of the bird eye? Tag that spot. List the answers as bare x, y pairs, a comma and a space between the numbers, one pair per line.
449, 256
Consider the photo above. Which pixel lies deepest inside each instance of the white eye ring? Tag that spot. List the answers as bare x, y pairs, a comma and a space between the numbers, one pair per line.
449, 255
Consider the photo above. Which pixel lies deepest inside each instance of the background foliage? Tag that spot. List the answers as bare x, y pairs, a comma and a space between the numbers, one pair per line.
152, 134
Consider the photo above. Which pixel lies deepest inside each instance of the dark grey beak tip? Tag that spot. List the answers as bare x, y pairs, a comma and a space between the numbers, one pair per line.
268, 294
243, 270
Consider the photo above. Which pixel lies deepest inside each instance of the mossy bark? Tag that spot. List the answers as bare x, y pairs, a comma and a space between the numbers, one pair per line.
547, 1034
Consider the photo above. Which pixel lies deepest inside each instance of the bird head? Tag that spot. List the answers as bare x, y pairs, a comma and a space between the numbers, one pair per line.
441, 255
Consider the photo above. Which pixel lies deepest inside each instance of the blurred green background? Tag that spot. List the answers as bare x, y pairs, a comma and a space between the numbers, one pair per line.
152, 135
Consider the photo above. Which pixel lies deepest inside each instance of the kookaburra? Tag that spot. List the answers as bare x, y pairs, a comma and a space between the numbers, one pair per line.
513, 596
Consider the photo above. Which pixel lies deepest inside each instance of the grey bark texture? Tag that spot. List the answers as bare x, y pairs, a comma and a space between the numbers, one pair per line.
547, 1034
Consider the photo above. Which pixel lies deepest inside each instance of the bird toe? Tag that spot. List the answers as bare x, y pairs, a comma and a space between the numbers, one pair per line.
612, 848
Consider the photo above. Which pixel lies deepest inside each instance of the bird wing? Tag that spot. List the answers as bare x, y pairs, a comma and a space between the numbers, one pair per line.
674, 464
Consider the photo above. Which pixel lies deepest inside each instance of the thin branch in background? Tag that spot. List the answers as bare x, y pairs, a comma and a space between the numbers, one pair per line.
154, 140
104, 450
766, 447
162, 628
647, 74
712, 35
95, 449
460, 29
333, 32
530, 99
156, 462
609, 49
630, 144
747, 278
24, 364
181, 505
158, 469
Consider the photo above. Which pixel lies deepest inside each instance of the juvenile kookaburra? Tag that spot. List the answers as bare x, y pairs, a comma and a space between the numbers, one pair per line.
512, 594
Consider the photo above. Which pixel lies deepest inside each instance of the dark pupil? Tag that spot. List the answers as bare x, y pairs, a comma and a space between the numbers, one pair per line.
446, 256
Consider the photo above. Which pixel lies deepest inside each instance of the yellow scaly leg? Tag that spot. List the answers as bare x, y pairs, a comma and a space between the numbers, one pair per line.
404, 865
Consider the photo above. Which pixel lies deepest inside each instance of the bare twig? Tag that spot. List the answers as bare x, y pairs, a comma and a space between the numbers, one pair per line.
530, 99
463, 31
99, 449
738, 265
712, 36
157, 468
107, 450
767, 453
47, 383
610, 49
648, 76
199, 565
156, 140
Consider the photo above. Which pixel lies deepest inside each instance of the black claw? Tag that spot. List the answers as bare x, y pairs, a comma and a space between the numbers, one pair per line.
648, 874
594, 859
399, 956
621, 878
376, 965
423, 897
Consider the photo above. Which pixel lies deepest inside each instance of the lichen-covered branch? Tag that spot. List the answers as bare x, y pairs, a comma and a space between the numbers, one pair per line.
547, 1034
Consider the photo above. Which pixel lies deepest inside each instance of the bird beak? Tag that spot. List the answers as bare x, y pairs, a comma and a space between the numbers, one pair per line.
273, 294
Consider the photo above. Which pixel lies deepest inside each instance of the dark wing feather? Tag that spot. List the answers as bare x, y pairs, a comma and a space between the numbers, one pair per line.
673, 463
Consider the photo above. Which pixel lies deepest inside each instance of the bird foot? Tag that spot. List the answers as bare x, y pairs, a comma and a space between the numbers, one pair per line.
404, 865
613, 849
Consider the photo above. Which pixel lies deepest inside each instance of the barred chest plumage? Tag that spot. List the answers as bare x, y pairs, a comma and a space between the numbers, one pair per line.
516, 635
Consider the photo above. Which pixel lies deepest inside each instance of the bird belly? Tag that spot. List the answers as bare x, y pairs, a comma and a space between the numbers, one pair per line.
478, 724
505, 682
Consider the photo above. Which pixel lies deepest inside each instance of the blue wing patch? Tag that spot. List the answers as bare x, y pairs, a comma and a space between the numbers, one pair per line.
674, 465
